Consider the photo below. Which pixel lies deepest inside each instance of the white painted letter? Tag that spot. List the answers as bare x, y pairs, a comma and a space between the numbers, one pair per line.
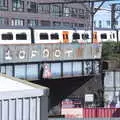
22, 54
7, 55
34, 53
46, 53
57, 53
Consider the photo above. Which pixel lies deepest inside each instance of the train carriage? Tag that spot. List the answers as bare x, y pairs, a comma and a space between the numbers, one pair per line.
25, 35
15, 35
104, 35
52, 35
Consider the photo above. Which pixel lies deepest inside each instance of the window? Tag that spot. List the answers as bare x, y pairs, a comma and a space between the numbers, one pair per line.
67, 24
65, 36
100, 24
4, 21
81, 25
110, 36
45, 23
4, 5
21, 36
74, 12
32, 22
17, 22
54, 36
85, 36
94, 23
44, 9
55, 23
8, 36
18, 5
113, 36
66, 11
76, 36
81, 13
108, 23
103, 36
32, 7
56, 10
43, 36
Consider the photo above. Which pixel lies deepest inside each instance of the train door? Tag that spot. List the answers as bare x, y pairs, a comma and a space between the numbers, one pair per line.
65, 37
95, 39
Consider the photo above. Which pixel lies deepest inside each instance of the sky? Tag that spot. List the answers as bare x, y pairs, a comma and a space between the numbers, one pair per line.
108, 3
105, 13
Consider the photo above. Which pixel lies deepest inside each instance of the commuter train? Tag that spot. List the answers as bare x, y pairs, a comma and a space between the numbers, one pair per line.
23, 35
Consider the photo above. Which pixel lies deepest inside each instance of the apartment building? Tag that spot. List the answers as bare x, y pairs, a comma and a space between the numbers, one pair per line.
35, 13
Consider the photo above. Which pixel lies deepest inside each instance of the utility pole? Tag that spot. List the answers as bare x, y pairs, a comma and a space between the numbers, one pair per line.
93, 11
114, 9
113, 20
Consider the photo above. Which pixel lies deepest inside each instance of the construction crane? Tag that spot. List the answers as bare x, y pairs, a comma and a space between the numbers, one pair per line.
115, 14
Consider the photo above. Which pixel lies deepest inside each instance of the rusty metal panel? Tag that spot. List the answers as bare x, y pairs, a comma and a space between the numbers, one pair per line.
87, 51
78, 51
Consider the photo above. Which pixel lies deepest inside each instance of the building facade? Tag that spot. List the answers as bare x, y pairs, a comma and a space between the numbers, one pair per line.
102, 19
34, 13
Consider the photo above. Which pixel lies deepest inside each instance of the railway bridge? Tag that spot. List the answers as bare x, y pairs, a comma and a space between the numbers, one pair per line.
69, 70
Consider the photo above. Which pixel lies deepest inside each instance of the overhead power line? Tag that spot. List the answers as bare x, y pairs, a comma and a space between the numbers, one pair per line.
70, 1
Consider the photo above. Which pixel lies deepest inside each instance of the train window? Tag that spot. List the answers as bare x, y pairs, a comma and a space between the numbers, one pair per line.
85, 36
54, 36
113, 35
110, 36
76, 36
95, 36
43, 36
104, 36
65, 36
21, 36
8, 36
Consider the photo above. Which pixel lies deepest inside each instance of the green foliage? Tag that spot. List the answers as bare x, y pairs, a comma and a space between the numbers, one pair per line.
111, 51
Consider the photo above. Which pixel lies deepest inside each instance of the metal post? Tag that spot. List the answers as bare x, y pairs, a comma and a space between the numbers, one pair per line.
113, 20
92, 20
114, 82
